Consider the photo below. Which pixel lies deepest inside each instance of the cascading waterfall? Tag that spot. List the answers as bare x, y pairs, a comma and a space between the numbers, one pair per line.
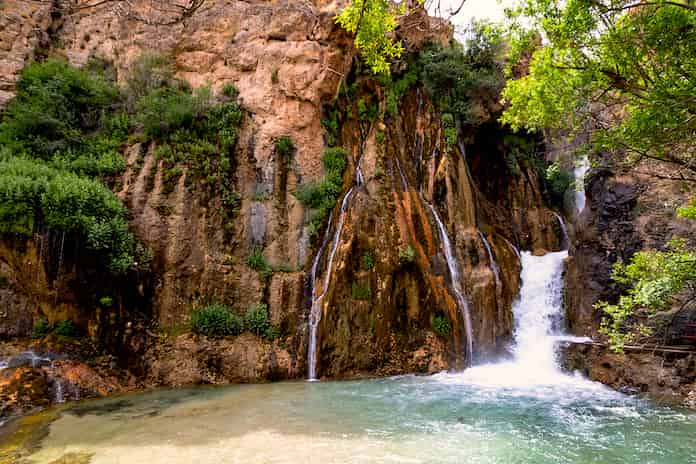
315, 312
579, 172
456, 285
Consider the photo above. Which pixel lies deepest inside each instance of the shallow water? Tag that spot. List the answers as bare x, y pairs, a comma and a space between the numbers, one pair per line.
446, 418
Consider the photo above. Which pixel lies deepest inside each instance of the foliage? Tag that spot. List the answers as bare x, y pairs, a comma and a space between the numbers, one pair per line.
372, 23
441, 325
396, 89
655, 278
33, 194
256, 260
230, 91
148, 73
41, 328
367, 261
633, 63
216, 320
284, 146
559, 181
256, 321
66, 329
687, 211
407, 255
166, 109
321, 197
106, 301
54, 106
360, 292
465, 82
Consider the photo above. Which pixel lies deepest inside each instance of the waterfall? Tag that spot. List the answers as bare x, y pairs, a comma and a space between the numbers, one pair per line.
494, 265
564, 230
315, 312
579, 172
456, 285
513, 248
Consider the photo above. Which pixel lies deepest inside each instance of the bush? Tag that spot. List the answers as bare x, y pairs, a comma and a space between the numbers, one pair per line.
441, 325
166, 109
256, 319
66, 329
55, 104
229, 90
360, 292
461, 80
559, 181
256, 260
41, 328
367, 261
284, 146
322, 196
216, 320
407, 255
106, 301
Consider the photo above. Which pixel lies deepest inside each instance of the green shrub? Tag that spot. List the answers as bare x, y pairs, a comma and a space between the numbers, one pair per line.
559, 181
256, 319
106, 301
216, 320
166, 109
66, 329
55, 104
41, 328
148, 73
462, 80
256, 260
367, 261
407, 255
441, 325
322, 196
284, 146
229, 90
360, 292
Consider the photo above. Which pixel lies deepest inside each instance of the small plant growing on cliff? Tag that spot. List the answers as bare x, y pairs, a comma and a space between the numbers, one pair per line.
230, 91
360, 292
559, 181
216, 320
367, 261
407, 255
66, 329
106, 301
284, 146
256, 259
274, 76
441, 325
321, 197
256, 321
41, 328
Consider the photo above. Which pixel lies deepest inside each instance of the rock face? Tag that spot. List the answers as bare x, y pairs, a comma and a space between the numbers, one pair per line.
287, 61
663, 375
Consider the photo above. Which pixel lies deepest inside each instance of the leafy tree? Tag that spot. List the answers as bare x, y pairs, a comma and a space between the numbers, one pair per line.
465, 81
372, 23
623, 70
656, 280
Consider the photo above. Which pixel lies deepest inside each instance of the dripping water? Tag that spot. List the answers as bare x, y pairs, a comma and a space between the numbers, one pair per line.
315, 312
456, 285
494, 265
564, 230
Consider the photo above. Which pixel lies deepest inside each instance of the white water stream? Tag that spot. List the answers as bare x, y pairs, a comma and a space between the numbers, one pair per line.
579, 172
456, 284
493, 264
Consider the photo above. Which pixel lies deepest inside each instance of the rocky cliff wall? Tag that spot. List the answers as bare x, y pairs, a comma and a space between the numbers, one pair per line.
377, 319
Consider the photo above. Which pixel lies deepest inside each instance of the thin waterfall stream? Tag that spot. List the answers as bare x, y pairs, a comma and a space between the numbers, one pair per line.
456, 284
315, 313
493, 264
